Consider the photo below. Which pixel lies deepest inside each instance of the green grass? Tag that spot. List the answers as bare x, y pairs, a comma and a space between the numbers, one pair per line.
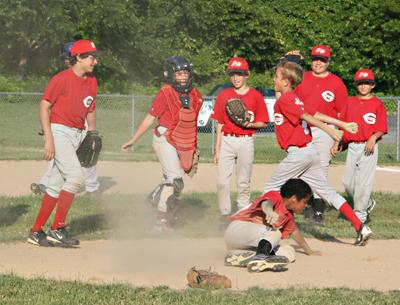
19, 139
15, 290
120, 216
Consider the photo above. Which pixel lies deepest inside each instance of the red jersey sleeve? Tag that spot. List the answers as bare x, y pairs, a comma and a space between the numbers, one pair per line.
53, 90
293, 108
219, 109
159, 105
381, 118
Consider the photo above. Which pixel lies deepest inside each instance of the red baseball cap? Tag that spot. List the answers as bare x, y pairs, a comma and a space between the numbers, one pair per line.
364, 76
238, 64
83, 46
321, 51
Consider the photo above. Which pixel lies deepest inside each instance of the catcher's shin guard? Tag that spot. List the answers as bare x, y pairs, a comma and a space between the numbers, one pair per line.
154, 197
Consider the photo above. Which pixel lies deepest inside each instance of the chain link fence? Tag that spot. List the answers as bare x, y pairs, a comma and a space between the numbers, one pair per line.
119, 115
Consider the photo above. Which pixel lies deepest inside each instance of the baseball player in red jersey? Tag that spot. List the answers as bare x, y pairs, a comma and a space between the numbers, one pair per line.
68, 100
293, 136
263, 224
92, 183
324, 92
176, 106
362, 156
234, 142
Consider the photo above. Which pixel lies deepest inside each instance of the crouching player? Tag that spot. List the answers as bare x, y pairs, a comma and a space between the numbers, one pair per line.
262, 225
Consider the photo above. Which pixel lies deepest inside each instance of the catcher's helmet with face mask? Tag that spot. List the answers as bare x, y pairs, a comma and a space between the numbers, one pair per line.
174, 64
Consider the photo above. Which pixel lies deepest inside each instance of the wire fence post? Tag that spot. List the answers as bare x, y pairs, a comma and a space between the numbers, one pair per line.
132, 117
398, 131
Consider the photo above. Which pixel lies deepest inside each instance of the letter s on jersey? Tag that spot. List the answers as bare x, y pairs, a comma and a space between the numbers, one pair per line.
278, 119
370, 118
88, 101
328, 96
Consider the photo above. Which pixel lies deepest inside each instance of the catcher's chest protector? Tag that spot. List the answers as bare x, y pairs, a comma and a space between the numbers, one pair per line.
183, 134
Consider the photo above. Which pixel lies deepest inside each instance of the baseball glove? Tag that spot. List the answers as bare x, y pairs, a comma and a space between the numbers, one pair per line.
207, 279
195, 164
237, 112
89, 150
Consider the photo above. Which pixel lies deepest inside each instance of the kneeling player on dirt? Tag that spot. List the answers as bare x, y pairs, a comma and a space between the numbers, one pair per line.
260, 227
176, 106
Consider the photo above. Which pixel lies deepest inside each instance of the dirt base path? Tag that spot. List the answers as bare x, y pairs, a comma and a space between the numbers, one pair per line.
141, 177
142, 263
166, 261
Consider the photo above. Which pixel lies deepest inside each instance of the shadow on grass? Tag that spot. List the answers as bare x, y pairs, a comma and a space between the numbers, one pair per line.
106, 182
316, 232
10, 214
190, 210
89, 224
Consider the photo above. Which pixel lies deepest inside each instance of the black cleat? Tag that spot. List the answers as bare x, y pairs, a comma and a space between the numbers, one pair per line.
61, 236
39, 238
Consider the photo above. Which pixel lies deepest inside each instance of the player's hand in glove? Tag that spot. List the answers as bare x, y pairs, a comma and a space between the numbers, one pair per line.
89, 150
237, 112
270, 216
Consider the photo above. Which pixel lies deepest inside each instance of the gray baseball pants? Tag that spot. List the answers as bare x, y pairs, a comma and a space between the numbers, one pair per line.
240, 150
245, 235
66, 172
170, 166
304, 163
359, 174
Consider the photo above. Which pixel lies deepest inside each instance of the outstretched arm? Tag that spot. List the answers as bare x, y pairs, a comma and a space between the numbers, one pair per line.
300, 240
333, 133
146, 124
351, 127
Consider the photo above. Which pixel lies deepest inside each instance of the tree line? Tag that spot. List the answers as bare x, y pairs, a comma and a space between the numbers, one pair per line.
135, 36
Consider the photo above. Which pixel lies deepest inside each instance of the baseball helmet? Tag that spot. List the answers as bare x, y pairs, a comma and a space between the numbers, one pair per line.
66, 50
174, 64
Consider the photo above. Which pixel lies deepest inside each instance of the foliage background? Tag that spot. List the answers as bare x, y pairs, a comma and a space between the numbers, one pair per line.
136, 35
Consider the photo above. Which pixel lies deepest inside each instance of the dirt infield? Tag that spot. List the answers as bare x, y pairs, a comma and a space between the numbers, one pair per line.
141, 177
165, 260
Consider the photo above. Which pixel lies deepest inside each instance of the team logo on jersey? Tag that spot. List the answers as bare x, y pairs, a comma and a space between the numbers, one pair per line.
88, 101
278, 119
251, 113
370, 118
328, 96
